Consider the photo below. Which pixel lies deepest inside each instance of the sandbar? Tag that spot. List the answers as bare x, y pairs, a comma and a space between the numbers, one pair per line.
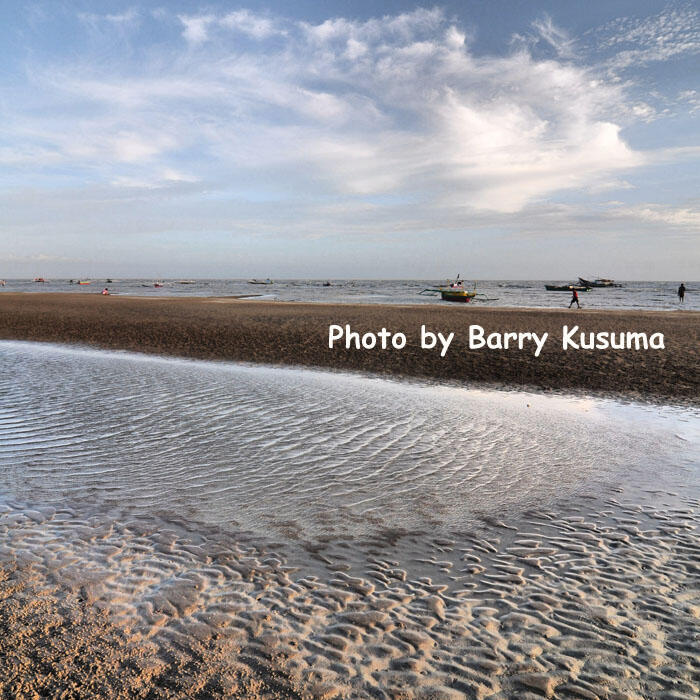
297, 334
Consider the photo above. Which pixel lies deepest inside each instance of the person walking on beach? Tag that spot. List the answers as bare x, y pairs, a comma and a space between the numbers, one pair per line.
681, 293
574, 298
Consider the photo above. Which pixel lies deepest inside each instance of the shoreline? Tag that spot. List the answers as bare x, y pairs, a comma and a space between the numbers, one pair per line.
296, 334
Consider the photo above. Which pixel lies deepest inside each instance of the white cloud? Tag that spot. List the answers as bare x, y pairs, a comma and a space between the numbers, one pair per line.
249, 23
691, 99
104, 27
680, 217
397, 105
196, 28
644, 112
556, 37
165, 178
128, 16
636, 42
406, 27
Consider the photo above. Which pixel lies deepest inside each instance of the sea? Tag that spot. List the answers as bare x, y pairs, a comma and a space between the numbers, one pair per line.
655, 295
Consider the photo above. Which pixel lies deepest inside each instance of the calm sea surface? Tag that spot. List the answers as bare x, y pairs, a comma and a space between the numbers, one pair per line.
530, 293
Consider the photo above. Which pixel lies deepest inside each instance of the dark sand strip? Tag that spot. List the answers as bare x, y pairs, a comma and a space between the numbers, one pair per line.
297, 334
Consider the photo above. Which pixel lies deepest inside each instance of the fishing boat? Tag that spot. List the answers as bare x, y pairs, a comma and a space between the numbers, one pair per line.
39, 279
254, 281
457, 294
566, 288
454, 291
602, 282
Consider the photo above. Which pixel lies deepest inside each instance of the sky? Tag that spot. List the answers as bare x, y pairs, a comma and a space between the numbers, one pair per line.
501, 139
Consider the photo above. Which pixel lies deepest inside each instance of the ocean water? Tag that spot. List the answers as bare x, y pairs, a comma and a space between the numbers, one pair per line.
314, 453
517, 293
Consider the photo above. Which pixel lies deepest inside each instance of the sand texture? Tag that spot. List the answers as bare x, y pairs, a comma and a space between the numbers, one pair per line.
601, 601
297, 334
112, 585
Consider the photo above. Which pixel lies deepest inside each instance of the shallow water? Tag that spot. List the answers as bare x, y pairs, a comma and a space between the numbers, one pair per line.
309, 453
655, 295
332, 535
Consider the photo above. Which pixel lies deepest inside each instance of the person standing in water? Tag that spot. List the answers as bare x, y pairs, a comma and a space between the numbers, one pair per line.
681, 293
574, 298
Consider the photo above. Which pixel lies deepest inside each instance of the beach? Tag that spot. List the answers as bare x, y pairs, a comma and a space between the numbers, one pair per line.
214, 514
350, 351
599, 604
297, 334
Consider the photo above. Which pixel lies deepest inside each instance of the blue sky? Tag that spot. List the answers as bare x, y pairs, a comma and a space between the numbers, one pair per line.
515, 139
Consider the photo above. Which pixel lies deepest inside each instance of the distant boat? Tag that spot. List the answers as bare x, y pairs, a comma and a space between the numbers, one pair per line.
84, 281
326, 284
454, 291
39, 279
454, 294
187, 281
602, 282
157, 284
254, 281
566, 288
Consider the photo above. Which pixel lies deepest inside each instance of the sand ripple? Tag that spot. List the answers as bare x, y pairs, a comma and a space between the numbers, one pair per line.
313, 452
192, 530
557, 605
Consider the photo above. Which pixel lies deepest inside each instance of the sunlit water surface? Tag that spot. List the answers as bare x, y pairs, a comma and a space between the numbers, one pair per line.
269, 449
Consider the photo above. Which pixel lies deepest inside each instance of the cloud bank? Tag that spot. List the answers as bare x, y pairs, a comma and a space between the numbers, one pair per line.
230, 121
396, 105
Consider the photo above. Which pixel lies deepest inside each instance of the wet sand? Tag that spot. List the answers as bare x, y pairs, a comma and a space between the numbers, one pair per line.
594, 595
297, 334
596, 601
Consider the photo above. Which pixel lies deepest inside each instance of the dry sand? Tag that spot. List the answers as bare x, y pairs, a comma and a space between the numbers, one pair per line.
297, 334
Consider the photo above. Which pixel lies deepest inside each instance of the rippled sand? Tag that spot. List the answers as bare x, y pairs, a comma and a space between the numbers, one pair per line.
599, 604
177, 529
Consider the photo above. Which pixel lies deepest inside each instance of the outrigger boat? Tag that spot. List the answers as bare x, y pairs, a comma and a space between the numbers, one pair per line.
455, 294
454, 291
598, 283
566, 288
254, 281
